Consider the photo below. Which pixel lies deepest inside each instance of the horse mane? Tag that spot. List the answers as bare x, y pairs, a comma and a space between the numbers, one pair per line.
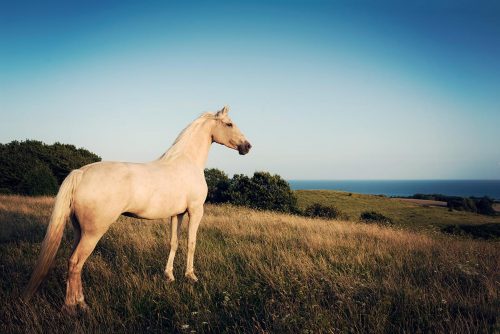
185, 134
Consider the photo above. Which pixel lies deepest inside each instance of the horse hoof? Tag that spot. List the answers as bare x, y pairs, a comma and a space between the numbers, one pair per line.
192, 277
170, 277
73, 310
69, 310
82, 306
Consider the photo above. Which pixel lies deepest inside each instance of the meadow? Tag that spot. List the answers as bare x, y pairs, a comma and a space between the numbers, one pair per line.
403, 213
259, 272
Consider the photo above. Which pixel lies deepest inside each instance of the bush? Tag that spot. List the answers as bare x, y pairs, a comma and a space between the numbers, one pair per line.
39, 181
485, 206
323, 211
261, 191
482, 205
375, 217
489, 231
462, 204
218, 184
20, 165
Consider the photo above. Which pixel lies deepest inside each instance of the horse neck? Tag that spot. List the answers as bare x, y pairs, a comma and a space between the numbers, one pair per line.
194, 143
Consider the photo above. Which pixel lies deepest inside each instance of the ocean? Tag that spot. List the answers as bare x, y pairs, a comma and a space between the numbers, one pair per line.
464, 188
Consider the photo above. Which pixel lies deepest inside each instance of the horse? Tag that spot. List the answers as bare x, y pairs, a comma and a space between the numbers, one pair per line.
94, 196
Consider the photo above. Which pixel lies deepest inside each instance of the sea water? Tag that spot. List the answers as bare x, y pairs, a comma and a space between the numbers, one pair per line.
463, 188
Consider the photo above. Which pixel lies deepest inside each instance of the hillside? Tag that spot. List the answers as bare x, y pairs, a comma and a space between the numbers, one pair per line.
403, 213
259, 272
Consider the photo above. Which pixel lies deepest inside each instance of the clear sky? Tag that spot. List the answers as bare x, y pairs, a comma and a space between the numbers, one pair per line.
322, 89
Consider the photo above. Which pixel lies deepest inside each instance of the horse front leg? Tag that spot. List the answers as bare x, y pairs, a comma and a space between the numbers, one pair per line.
174, 243
195, 216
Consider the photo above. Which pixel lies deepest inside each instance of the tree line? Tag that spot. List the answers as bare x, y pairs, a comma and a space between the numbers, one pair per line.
481, 205
33, 168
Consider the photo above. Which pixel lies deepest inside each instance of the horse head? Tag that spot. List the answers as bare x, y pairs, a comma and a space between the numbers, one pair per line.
225, 132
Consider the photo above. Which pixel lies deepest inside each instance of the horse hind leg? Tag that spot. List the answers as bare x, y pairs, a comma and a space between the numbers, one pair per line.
74, 290
77, 232
174, 244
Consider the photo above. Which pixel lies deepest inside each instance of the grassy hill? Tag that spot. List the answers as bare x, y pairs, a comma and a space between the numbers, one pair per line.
405, 214
259, 272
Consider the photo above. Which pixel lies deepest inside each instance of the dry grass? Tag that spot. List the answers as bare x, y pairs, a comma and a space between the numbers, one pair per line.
259, 272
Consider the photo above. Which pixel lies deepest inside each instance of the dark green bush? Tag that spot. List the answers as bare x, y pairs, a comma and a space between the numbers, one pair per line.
261, 191
39, 181
323, 211
489, 231
485, 206
218, 184
20, 165
375, 217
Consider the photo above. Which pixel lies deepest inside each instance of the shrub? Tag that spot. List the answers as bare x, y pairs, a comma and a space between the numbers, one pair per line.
482, 205
323, 211
20, 165
218, 184
262, 191
374, 217
485, 206
489, 231
39, 181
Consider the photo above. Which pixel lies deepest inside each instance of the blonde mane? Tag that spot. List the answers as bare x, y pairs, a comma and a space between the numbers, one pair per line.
183, 137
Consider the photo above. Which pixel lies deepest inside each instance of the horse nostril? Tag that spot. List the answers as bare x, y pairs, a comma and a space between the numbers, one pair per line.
249, 146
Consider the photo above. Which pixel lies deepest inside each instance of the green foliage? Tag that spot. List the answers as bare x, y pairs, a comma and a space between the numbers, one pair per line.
22, 171
39, 181
261, 191
323, 211
482, 231
374, 217
218, 184
483, 205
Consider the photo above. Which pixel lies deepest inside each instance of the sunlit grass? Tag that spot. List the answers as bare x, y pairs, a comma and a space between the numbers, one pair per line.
259, 272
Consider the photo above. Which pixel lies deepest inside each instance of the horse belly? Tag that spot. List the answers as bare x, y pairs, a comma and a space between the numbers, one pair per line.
160, 204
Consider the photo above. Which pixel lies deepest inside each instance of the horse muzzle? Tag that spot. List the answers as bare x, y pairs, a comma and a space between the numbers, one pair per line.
244, 148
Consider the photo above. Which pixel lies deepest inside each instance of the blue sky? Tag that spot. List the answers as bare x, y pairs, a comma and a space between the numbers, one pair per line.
322, 89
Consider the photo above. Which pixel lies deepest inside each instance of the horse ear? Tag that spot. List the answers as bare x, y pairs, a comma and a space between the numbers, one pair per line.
223, 112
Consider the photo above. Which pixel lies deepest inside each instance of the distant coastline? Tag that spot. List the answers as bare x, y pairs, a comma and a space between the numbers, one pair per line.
463, 188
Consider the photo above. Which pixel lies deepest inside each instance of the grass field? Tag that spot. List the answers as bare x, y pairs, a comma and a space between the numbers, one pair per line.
259, 272
403, 213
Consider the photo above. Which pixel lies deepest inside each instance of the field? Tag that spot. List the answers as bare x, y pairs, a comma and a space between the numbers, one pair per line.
259, 272
408, 214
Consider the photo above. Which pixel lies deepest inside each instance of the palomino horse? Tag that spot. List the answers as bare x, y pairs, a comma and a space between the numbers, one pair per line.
95, 195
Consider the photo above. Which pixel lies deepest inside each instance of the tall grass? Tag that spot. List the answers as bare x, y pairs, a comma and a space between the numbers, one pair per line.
259, 272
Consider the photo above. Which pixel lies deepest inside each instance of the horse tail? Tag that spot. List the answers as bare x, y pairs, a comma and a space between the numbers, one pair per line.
50, 245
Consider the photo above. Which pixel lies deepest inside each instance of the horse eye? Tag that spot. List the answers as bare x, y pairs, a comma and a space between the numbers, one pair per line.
229, 124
